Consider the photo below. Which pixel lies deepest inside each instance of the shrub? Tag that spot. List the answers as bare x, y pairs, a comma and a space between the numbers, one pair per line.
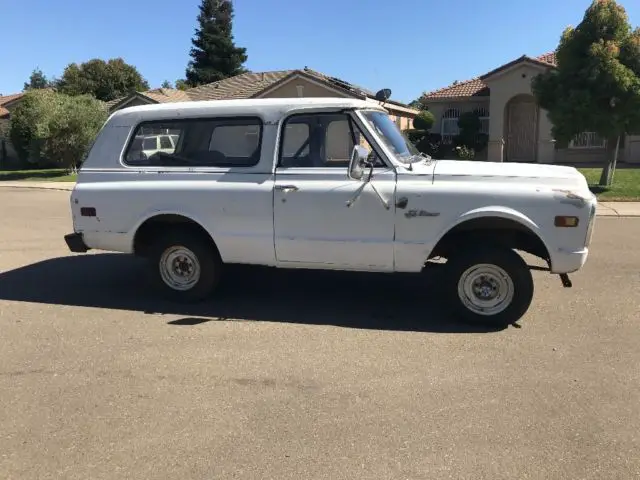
55, 126
465, 153
424, 121
470, 140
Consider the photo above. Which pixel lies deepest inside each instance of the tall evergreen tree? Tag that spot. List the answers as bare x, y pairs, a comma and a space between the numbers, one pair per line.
214, 53
36, 80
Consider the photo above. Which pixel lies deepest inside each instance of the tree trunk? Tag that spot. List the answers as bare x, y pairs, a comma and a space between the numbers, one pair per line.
615, 159
607, 172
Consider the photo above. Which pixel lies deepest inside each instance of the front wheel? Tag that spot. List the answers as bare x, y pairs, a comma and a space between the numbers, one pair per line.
184, 266
489, 285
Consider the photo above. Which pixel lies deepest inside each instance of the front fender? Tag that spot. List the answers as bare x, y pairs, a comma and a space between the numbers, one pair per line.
497, 211
493, 212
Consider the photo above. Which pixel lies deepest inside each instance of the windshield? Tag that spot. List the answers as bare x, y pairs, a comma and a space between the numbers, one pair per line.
391, 135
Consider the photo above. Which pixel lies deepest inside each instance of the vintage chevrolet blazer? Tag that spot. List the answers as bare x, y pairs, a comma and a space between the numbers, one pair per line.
322, 183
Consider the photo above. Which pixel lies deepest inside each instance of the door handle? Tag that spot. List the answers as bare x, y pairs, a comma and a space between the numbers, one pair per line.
287, 188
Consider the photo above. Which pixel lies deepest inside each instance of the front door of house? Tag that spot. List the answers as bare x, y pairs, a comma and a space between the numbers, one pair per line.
522, 118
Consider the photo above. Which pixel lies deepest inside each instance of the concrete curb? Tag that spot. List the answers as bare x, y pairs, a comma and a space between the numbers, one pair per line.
60, 186
605, 209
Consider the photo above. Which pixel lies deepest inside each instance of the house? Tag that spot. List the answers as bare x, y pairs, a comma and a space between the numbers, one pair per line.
518, 129
273, 84
7, 104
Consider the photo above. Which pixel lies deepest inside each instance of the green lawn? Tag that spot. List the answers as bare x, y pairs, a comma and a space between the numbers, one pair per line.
48, 175
625, 188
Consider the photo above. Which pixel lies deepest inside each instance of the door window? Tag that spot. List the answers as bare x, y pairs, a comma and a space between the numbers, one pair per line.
321, 140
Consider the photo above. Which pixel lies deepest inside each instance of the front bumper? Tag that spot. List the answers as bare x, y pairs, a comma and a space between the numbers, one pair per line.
569, 262
75, 242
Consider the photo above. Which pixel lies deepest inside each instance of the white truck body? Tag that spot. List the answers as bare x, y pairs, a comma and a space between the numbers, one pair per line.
305, 217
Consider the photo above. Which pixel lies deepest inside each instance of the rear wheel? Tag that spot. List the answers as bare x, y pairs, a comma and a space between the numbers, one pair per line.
184, 266
489, 285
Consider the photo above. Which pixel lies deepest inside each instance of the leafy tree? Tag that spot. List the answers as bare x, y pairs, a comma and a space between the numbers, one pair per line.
214, 53
37, 80
418, 104
424, 120
35, 107
57, 127
182, 84
596, 85
420, 134
470, 139
166, 84
104, 80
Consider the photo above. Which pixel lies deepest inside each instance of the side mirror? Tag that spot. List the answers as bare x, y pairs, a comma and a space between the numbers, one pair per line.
358, 162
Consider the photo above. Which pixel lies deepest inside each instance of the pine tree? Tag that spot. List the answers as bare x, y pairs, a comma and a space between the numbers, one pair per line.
214, 53
37, 80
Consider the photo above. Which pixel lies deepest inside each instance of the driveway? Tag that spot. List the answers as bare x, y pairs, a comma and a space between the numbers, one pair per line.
303, 375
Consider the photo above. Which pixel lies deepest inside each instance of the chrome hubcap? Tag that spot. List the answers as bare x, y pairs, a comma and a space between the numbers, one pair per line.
486, 289
179, 268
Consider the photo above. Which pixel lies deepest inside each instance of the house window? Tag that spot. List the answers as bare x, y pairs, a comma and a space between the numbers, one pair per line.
483, 114
450, 125
588, 140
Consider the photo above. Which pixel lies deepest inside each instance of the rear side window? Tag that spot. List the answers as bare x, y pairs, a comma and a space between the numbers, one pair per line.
211, 142
165, 142
150, 143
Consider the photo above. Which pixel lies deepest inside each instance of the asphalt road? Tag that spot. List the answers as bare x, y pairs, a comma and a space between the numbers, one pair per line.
304, 375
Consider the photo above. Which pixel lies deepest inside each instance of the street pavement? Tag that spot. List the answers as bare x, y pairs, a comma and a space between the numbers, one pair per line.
605, 209
307, 375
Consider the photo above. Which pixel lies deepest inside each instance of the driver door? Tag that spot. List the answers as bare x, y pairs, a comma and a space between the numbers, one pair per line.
313, 224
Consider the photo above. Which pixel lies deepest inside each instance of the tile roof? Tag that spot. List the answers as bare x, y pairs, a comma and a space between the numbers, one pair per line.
476, 87
245, 85
6, 99
166, 95
549, 58
248, 85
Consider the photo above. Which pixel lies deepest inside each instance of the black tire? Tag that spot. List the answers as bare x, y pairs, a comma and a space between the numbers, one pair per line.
189, 248
494, 263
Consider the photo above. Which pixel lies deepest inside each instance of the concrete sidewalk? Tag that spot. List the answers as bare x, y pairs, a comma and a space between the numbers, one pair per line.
605, 209
64, 186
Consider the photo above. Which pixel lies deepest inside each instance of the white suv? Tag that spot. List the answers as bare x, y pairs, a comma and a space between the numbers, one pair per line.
323, 183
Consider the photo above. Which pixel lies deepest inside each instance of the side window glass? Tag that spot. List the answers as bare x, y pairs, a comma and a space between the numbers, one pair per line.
150, 143
321, 140
238, 143
211, 142
165, 142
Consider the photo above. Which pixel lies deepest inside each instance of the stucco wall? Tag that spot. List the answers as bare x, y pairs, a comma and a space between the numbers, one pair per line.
504, 86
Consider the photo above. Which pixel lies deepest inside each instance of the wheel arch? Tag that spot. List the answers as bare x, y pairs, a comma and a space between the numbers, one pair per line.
501, 225
154, 223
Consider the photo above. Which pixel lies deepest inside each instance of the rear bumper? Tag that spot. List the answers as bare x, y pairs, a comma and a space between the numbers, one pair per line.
75, 242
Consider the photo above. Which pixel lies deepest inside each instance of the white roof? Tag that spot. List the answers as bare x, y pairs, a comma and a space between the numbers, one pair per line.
275, 107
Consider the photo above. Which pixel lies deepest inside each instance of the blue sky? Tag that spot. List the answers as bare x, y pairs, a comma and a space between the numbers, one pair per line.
409, 46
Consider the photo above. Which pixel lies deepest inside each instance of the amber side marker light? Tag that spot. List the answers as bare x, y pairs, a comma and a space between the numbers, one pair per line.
562, 221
